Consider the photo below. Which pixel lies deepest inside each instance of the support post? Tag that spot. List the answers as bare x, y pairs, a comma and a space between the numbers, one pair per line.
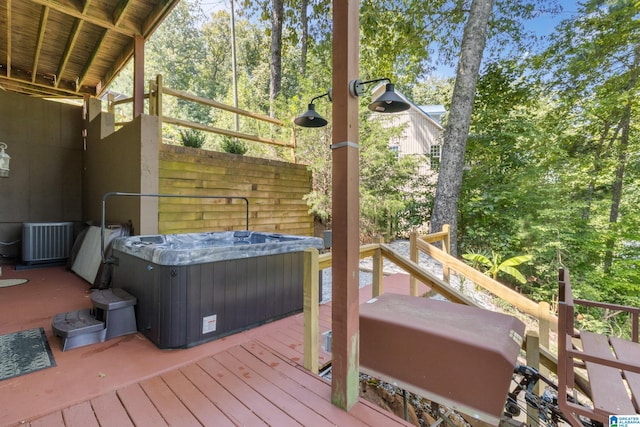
378, 274
533, 360
544, 327
311, 310
413, 256
346, 210
446, 246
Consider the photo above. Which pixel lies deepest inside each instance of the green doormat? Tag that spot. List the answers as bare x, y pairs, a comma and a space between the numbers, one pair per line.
24, 352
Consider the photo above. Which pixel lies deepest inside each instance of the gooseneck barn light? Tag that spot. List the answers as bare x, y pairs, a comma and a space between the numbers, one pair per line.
4, 161
388, 102
311, 118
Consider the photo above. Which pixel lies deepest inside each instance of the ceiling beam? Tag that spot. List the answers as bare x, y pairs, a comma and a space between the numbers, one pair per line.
117, 65
155, 17
8, 38
42, 85
71, 42
90, 19
120, 11
73, 38
91, 60
41, 28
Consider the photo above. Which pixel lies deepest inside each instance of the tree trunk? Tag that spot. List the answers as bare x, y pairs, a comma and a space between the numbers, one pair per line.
623, 152
445, 207
616, 195
277, 15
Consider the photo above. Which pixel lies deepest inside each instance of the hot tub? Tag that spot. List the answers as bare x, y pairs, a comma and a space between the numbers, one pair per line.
197, 287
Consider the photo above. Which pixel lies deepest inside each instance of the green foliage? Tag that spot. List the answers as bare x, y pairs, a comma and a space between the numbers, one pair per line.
496, 265
388, 185
544, 150
234, 146
192, 138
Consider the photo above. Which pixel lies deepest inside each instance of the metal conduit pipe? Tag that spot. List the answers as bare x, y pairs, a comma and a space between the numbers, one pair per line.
116, 193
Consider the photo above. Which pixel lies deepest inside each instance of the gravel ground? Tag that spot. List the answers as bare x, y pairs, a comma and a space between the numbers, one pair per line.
426, 262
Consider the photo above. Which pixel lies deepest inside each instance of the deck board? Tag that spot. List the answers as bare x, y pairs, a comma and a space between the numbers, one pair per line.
267, 411
288, 403
317, 402
202, 408
80, 415
253, 378
52, 420
168, 404
139, 407
234, 409
110, 412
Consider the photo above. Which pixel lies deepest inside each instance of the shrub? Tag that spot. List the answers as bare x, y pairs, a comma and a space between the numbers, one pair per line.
234, 145
192, 138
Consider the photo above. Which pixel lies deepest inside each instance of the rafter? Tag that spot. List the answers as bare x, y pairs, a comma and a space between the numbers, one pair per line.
8, 38
73, 38
91, 19
72, 48
154, 19
41, 29
71, 42
120, 11
122, 59
91, 60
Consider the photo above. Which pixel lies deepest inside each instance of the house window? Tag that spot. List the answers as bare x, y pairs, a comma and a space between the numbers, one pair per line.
434, 157
396, 150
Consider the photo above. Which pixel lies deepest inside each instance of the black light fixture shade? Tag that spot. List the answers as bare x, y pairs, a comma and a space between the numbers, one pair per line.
389, 102
310, 118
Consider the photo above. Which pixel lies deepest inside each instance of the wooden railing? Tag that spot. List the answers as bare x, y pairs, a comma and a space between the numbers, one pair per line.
536, 343
155, 99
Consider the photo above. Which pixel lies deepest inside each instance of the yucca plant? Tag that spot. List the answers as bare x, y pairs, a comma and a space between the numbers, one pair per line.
234, 145
192, 138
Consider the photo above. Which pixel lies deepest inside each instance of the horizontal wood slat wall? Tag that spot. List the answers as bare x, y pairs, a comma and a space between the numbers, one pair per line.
274, 189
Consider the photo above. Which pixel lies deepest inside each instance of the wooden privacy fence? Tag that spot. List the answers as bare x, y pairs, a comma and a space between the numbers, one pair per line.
537, 343
155, 96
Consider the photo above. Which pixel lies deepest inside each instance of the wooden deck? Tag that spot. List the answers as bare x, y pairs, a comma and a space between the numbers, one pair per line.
250, 378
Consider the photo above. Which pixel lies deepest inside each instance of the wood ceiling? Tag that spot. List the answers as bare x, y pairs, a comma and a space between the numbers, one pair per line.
71, 48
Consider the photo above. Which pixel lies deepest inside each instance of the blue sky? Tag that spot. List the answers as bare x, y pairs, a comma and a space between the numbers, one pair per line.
545, 24
542, 26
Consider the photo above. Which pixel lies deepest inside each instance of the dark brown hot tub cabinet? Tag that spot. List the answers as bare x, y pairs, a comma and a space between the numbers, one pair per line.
194, 288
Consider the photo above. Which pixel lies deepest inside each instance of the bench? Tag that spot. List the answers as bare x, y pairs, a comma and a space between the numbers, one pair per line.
612, 363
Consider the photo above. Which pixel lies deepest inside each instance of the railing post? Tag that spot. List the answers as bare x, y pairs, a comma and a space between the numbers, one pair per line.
544, 326
378, 273
153, 98
533, 360
293, 145
159, 106
544, 322
311, 310
110, 107
413, 256
446, 246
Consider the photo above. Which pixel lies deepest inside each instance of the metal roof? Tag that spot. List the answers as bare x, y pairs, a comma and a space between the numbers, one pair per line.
71, 48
